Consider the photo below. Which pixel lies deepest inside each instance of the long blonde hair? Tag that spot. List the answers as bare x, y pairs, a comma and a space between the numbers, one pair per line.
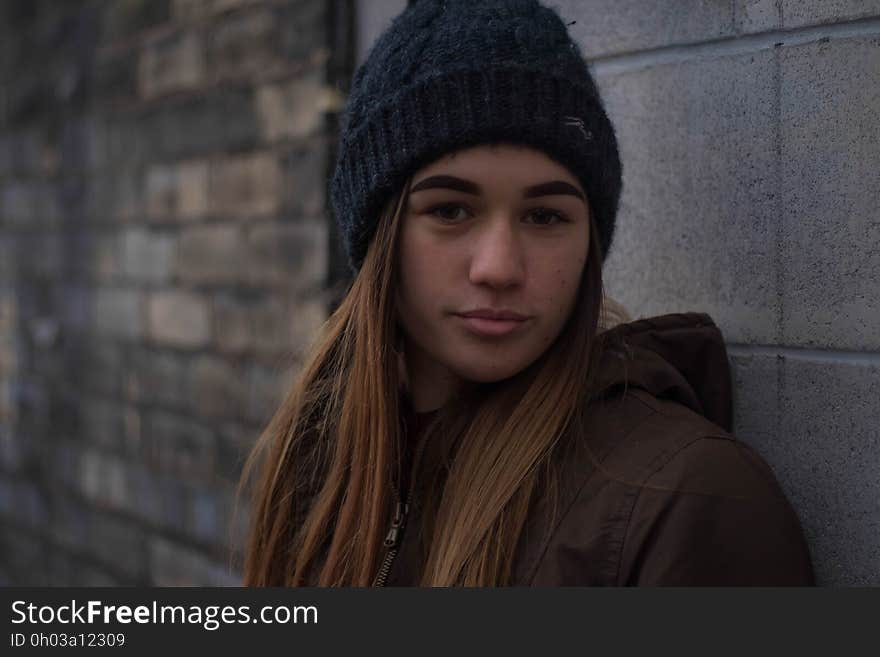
321, 473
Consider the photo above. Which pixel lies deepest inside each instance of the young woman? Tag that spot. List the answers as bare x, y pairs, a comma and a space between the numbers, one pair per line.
477, 411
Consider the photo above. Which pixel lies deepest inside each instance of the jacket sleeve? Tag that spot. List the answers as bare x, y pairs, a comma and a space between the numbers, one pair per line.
714, 515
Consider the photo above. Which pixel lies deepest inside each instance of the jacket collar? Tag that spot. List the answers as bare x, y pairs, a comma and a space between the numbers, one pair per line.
678, 356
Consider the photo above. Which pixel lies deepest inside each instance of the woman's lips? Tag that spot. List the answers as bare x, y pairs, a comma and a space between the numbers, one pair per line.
491, 327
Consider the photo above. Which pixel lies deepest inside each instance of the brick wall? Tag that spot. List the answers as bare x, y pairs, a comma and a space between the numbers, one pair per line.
164, 258
751, 155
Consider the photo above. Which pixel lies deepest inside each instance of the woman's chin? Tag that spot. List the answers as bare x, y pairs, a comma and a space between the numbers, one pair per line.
489, 373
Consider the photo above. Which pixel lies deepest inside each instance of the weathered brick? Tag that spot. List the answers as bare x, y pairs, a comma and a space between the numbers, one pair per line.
218, 387
103, 478
45, 255
177, 191
82, 144
235, 515
9, 356
246, 185
127, 202
240, 125
205, 515
192, 190
271, 326
132, 435
215, 253
162, 191
6, 146
120, 543
234, 442
219, 119
116, 198
302, 28
145, 502
186, 10
98, 365
103, 256
72, 301
24, 555
22, 151
172, 64
158, 499
45, 363
243, 44
178, 445
179, 319
289, 255
89, 191
173, 564
100, 422
8, 311
117, 312
29, 504
64, 463
147, 256
292, 109
232, 324
26, 202
126, 140
6, 497
59, 568
225, 5
122, 19
8, 263
157, 377
62, 415
8, 413
90, 576
266, 386
239, 523
116, 487
306, 319
113, 75
15, 448
17, 202
304, 180
70, 521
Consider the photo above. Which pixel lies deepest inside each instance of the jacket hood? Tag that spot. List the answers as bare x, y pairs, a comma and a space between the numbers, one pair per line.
680, 356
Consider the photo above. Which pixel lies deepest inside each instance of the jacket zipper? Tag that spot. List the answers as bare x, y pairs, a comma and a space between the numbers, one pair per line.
398, 523
392, 541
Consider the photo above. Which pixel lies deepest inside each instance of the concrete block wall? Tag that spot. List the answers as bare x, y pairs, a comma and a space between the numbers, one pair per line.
163, 262
748, 134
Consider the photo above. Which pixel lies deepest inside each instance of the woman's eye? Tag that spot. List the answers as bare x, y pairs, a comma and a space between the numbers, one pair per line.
449, 213
547, 217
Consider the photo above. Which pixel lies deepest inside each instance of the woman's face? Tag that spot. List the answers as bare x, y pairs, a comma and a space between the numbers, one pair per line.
493, 243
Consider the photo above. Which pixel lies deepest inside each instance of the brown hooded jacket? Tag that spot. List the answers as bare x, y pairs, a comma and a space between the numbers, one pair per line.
663, 494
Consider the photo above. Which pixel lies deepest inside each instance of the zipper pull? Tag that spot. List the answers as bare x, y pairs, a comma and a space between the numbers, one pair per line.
392, 538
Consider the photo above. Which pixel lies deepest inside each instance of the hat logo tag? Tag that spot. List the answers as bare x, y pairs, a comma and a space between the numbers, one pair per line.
578, 123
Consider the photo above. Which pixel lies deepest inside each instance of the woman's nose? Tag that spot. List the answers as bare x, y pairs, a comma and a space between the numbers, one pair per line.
497, 257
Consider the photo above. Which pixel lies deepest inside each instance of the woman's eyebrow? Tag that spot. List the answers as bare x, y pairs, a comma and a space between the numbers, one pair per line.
551, 188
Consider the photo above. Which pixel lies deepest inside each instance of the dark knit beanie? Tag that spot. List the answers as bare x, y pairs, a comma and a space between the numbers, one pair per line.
450, 74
